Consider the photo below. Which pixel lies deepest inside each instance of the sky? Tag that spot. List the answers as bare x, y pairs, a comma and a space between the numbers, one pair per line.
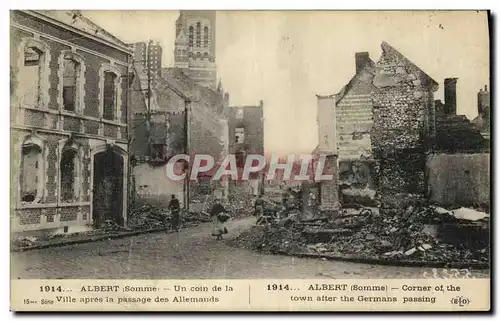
285, 58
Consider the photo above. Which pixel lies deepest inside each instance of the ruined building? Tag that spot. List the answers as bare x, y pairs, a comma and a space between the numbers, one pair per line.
160, 133
455, 133
246, 136
379, 126
195, 46
69, 124
482, 121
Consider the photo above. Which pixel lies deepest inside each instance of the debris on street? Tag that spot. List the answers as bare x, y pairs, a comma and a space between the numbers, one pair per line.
415, 231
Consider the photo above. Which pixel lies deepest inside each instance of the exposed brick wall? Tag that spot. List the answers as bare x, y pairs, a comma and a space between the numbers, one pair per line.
92, 65
354, 123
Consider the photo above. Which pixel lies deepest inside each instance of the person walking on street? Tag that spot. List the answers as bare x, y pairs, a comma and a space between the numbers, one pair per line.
219, 217
174, 207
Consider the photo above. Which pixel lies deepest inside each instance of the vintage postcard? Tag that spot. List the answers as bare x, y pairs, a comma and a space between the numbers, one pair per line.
250, 160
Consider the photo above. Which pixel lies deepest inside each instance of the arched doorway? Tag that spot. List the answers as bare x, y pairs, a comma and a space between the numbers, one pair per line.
108, 191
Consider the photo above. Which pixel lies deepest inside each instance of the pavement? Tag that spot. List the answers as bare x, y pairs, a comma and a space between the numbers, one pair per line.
191, 253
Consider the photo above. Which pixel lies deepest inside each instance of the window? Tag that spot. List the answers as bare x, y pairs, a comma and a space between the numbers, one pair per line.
31, 159
240, 113
30, 76
240, 135
198, 34
69, 175
191, 31
205, 37
109, 95
71, 80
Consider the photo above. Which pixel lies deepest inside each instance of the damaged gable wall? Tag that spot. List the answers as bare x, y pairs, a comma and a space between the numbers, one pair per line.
403, 122
354, 119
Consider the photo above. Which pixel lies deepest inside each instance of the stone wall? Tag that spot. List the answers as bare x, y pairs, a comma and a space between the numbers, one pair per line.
329, 190
459, 179
403, 109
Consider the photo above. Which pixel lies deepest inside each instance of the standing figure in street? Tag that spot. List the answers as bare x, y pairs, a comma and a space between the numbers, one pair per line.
219, 217
174, 207
258, 206
286, 198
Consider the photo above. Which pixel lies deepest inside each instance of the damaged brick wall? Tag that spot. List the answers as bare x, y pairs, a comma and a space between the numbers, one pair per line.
355, 119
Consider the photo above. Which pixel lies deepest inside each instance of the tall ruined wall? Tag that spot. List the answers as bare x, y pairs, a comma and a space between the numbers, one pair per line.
355, 120
402, 122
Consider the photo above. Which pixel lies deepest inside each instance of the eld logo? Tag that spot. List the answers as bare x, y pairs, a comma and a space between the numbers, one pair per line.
460, 301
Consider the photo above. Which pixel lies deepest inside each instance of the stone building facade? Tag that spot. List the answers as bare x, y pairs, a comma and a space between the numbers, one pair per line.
69, 123
195, 46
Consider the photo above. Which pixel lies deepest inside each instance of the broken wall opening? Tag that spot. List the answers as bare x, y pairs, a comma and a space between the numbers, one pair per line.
108, 188
358, 182
69, 174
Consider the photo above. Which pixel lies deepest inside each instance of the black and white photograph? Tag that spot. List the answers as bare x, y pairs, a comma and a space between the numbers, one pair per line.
230, 145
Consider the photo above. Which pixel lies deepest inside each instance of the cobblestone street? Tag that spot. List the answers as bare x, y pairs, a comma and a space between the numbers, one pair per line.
190, 254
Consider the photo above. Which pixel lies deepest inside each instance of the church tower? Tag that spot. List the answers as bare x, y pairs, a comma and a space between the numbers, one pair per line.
195, 46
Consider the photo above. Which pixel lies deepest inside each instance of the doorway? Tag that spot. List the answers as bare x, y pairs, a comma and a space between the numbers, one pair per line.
107, 200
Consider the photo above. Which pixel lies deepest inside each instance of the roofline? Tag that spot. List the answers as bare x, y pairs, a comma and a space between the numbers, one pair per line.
246, 106
326, 96
54, 21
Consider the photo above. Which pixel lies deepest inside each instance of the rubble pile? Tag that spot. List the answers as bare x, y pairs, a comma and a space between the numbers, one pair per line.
416, 234
271, 239
240, 204
150, 217
24, 241
406, 229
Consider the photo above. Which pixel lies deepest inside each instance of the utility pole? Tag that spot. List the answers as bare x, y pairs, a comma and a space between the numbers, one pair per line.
148, 107
186, 151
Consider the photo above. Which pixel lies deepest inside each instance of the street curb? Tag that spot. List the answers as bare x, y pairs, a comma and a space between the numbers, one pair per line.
355, 259
87, 240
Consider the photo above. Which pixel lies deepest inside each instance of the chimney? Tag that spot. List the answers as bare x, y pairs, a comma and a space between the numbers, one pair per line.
450, 96
261, 103
362, 59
